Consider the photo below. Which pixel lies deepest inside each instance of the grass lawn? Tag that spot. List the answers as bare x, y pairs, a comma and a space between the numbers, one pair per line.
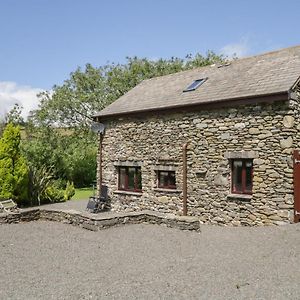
83, 193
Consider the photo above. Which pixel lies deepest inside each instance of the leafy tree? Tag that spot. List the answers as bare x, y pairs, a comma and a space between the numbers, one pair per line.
72, 104
13, 166
14, 116
71, 157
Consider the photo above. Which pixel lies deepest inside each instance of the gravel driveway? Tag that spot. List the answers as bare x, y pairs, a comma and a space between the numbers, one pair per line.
47, 260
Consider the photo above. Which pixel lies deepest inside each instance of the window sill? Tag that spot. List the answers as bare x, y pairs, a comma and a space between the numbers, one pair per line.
167, 190
128, 193
244, 197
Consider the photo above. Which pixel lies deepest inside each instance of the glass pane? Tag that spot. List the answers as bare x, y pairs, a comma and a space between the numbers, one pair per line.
131, 173
122, 178
194, 85
248, 176
237, 176
163, 179
172, 181
139, 178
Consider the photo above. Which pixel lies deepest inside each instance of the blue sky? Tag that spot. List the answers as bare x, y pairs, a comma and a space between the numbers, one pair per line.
42, 41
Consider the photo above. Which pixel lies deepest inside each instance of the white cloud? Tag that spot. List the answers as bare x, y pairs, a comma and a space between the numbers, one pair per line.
239, 49
12, 93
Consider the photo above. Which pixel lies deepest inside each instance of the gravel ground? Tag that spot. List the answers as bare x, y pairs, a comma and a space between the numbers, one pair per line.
47, 260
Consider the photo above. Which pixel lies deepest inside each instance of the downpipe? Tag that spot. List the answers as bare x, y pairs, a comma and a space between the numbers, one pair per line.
184, 178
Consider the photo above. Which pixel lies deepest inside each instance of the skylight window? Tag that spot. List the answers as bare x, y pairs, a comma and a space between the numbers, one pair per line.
195, 84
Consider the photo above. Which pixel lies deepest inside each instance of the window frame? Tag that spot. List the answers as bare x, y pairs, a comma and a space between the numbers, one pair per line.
243, 191
168, 186
136, 183
195, 84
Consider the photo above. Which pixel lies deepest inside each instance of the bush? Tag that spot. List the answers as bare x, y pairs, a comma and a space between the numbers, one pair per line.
69, 191
54, 194
39, 180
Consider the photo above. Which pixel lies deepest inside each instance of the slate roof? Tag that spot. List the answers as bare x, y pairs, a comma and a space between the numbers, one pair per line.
265, 74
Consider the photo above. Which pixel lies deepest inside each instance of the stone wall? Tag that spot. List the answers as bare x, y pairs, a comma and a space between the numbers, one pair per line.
266, 132
97, 222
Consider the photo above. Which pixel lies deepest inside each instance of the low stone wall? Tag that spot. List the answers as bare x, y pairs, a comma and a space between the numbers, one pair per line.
97, 222
27, 215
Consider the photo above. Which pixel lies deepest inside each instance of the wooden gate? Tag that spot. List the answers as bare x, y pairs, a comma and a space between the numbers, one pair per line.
296, 186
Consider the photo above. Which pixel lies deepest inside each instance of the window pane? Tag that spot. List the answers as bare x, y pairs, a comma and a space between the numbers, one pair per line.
139, 179
131, 174
237, 176
122, 178
166, 179
172, 181
163, 179
248, 176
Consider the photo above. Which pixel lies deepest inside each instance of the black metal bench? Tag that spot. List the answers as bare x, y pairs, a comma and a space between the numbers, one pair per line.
97, 204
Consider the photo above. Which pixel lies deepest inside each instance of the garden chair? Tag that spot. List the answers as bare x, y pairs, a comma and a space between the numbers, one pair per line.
96, 204
8, 206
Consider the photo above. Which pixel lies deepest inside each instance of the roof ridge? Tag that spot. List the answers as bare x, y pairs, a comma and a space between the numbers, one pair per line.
267, 53
231, 61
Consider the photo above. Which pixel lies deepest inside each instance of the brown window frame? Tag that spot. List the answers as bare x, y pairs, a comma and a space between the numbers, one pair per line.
136, 183
243, 190
166, 186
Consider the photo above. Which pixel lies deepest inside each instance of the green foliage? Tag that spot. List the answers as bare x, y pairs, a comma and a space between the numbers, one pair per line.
14, 116
80, 158
13, 166
40, 179
70, 157
54, 194
73, 103
69, 191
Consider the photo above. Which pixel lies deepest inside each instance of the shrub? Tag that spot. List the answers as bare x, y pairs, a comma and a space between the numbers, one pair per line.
13, 166
69, 191
39, 180
54, 194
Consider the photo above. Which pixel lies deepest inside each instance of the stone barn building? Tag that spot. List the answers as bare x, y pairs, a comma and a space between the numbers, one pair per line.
222, 137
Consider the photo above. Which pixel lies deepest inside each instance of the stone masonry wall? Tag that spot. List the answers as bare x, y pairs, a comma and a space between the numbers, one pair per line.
267, 133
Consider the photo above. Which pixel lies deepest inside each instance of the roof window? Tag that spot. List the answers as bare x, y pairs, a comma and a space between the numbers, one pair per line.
195, 84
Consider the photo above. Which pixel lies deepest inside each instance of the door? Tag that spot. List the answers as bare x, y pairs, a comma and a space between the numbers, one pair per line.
296, 186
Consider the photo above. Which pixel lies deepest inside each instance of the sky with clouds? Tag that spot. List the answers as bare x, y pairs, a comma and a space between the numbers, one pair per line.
42, 41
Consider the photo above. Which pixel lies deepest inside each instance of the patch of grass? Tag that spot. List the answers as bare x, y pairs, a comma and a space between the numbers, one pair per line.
83, 193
